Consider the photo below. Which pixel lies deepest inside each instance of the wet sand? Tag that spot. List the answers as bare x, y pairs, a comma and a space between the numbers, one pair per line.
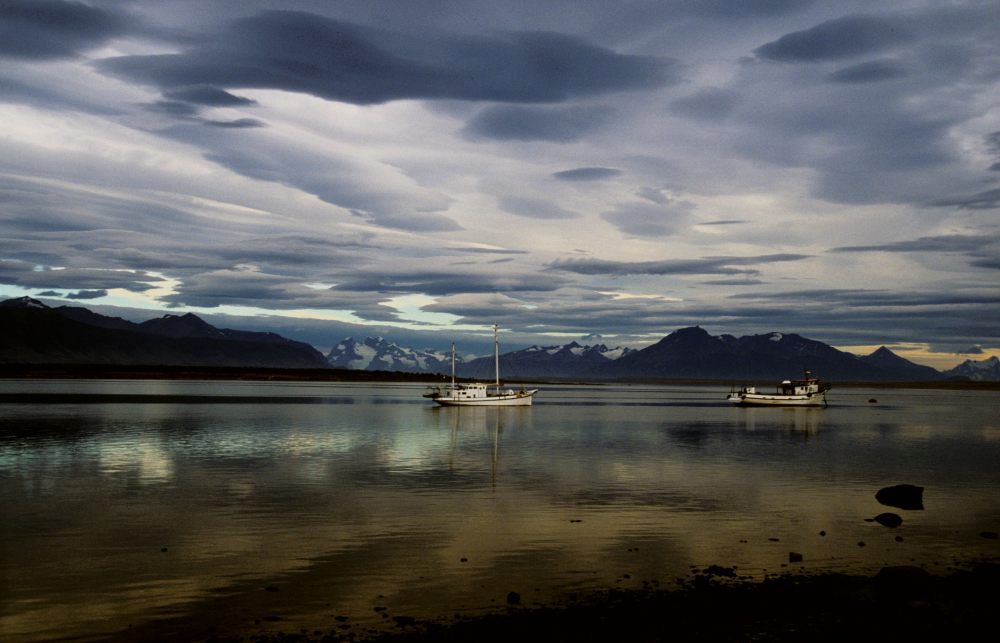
897, 603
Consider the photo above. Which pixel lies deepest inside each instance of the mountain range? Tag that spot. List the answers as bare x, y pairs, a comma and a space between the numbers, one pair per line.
33, 333
688, 353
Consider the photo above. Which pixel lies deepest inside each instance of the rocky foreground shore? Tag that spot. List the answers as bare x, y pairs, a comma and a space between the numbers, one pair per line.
896, 604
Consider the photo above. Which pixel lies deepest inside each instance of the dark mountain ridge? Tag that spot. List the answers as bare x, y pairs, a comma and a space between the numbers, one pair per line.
694, 353
33, 333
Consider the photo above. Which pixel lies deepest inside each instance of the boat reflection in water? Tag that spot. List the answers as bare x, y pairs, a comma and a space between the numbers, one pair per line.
803, 420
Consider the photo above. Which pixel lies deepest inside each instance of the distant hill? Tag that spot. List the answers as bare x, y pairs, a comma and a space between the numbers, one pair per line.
890, 362
694, 353
984, 370
33, 333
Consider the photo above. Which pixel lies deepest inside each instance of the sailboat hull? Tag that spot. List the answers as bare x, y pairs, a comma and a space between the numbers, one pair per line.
518, 398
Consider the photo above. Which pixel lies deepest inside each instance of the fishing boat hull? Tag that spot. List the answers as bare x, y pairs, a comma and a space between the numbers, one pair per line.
519, 398
777, 400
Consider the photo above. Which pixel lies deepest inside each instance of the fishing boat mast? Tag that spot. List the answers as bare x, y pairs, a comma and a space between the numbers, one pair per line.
496, 354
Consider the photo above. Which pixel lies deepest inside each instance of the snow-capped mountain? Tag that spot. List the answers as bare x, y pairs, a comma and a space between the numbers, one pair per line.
568, 360
379, 354
984, 370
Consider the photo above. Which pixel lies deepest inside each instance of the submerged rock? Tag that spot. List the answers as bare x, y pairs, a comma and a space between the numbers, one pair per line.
889, 520
904, 496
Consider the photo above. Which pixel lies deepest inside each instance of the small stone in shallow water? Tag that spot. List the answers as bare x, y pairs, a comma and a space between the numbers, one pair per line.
991, 535
794, 557
904, 496
513, 598
889, 520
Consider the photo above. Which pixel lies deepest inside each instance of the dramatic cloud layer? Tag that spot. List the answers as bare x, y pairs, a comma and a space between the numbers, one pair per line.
566, 169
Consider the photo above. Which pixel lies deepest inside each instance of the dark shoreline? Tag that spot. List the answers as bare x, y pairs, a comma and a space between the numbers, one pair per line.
239, 373
897, 603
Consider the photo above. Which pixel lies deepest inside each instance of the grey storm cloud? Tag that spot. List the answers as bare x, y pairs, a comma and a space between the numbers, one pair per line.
207, 95
587, 174
983, 251
87, 294
703, 266
239, 123
709, 104
557, 124
873, 71
879, 298
343, 61
650, 220
942, 243
534, 208
845, 37
28, 275
447, 283
48, 29
986, 200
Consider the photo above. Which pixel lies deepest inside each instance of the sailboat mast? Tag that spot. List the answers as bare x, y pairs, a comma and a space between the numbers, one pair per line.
453, 369
496, 353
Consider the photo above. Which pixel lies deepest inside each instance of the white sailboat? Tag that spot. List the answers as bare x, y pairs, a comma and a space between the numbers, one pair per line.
479, 394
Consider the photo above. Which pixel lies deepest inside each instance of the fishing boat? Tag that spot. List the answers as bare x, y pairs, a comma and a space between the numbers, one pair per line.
480, 394
809, 391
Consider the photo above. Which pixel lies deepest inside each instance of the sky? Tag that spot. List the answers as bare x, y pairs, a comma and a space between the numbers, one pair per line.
597, 171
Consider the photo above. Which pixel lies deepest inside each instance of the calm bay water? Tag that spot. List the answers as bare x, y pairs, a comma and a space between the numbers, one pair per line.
134, 509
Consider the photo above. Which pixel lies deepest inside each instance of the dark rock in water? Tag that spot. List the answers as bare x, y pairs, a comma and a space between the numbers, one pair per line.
991, 535
271, 588
794, 557
873, 401
889, 520
513, 598
822, 533
861, 543
904, 496
899, 539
